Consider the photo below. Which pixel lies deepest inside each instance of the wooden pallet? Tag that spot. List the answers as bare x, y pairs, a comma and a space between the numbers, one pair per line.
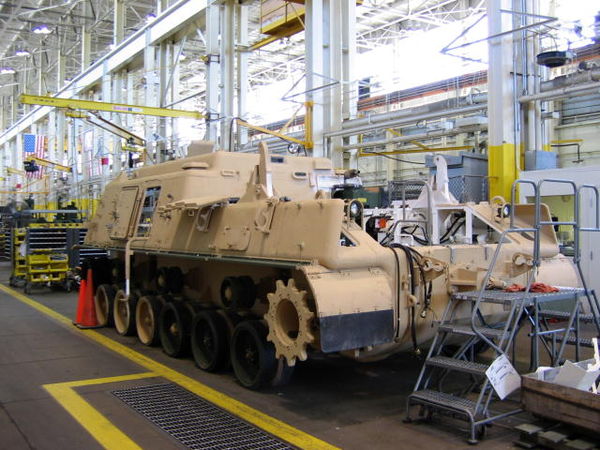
561, 403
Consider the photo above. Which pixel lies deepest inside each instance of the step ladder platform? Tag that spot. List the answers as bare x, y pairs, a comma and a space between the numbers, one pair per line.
459, 365
468, 331
564, 315
502, 297
571, 340
443, 400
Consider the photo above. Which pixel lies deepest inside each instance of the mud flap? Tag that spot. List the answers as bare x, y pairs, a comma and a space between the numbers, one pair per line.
350, 331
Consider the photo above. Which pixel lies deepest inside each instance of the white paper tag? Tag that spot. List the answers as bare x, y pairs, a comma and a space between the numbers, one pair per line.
503, 377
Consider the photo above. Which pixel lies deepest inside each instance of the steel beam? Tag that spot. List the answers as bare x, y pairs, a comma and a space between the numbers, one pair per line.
118, 21
150, 93
227, 58
90, 105
213, 70
242, 70
314, 71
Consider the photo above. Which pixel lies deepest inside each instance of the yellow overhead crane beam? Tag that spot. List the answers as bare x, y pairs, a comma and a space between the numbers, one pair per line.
11, 171
89, 105
47, 163
307, 143
97, 120
24, 192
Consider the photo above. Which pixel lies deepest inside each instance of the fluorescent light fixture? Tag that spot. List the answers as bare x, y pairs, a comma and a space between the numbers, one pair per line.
150, 17
22, 52
42, 29
6, 70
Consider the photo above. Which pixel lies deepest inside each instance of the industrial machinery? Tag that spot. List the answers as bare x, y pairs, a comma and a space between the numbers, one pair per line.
43, 245
251, 258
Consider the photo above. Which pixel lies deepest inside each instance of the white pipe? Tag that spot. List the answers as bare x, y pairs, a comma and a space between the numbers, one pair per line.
425, 109
407, 119
415, 137
571, 80
570, 91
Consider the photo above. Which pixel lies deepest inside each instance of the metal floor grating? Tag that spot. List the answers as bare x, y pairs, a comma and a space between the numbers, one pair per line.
193, 421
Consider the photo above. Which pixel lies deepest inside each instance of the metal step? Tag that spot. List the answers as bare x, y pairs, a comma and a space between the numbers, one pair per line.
459, 365
571, 340
503, 297
587, 318
468, 331
443, 400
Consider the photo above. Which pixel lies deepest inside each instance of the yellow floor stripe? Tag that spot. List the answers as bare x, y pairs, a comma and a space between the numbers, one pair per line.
269, 424
88, 417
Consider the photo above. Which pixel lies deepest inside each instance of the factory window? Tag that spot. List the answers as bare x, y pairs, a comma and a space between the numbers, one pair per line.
148, 207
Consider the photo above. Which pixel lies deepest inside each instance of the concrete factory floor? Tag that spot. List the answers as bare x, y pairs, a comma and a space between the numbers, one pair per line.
329, 401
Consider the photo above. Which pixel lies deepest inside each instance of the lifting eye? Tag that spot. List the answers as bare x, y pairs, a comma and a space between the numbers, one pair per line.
354, 211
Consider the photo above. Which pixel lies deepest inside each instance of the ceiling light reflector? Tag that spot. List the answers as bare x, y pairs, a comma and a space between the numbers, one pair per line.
41, 29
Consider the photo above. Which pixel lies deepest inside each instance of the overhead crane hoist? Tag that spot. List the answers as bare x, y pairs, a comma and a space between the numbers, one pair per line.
134, 143
32, 163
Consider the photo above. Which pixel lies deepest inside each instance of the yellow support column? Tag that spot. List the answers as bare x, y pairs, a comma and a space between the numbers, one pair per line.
503, 163
502, 168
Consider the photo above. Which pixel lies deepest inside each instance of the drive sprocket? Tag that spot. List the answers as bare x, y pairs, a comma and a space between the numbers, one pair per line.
289, 319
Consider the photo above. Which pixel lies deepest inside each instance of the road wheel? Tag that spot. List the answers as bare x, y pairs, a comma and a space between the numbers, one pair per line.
147, 311
210, 348
252, 357
124, 313
174, 329
103, 302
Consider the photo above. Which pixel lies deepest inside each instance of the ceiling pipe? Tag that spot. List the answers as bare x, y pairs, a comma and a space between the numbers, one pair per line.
403, 119
576, 78
570, 91
415, 137
443, 105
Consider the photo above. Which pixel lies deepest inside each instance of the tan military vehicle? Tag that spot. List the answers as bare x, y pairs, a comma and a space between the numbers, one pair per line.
250, 259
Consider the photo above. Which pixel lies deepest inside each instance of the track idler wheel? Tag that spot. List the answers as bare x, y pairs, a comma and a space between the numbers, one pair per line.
124, 313
238, 293
174, 325
252, 357
289, 319
209, 341
147, 312
103, 302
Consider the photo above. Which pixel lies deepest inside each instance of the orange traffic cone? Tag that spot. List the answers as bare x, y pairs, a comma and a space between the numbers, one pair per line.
88, 313
80, 302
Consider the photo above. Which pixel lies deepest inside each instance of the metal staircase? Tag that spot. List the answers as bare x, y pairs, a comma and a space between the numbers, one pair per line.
468, 394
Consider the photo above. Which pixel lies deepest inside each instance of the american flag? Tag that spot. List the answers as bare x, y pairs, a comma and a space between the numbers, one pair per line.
35, 145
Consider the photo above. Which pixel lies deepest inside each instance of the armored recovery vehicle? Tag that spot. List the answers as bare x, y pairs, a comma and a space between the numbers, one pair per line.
250, 259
